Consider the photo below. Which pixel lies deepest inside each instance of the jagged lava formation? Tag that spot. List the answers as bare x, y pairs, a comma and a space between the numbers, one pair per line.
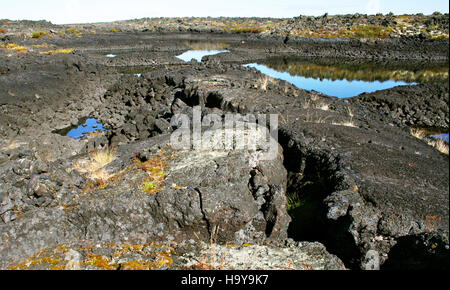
350, 188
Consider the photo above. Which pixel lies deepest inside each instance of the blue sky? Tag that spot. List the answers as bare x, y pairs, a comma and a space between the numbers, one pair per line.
82, 11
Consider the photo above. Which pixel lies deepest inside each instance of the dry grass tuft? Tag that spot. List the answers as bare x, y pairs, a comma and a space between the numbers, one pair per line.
263, 82
439, 144
103, 157
350, 113
94, 166
348, 123
323, 107
418, 133
311, 104
320, 120
345, 123
307, 104
314, 98
323, 120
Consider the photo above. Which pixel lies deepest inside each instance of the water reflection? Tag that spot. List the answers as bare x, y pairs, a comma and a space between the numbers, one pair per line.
338, 69
345, 79
198, 54
444, 137
205, 45
81, 131
336, 88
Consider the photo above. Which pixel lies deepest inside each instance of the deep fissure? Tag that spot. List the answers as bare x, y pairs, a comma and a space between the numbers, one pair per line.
309, 183
418, 252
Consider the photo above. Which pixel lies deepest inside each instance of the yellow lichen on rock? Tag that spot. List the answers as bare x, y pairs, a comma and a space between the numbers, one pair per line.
146, 256
58, 51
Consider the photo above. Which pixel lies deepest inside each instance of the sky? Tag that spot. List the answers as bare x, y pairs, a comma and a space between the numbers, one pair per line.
84, 11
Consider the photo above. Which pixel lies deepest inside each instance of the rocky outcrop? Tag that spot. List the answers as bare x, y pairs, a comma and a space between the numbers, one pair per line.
239, 197
190, 255
407, 106
304, 256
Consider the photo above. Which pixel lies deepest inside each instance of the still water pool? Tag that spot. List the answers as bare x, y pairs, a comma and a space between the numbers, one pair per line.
198, 54
444, 136
338, 88
81, 131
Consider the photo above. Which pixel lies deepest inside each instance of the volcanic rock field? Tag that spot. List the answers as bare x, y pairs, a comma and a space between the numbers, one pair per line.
358, 182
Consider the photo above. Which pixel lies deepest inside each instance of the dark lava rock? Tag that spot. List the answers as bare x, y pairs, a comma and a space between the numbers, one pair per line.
203, 192
357, 181
423, 105
364, 206
365, 184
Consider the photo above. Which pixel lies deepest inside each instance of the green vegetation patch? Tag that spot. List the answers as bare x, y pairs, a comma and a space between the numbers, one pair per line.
248, 29
155, 169
360, 31
370, 31
38, 34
